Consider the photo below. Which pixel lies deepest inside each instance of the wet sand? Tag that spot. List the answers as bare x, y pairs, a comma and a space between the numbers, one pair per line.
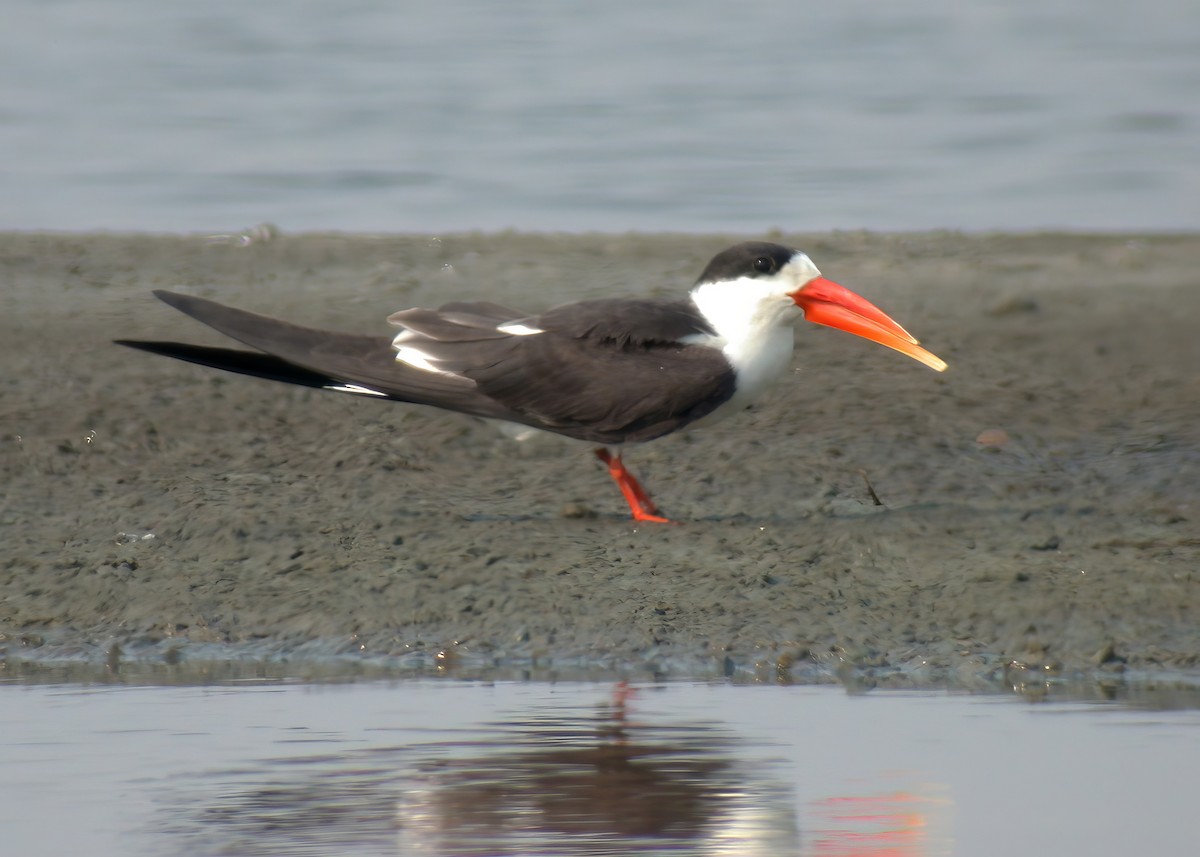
166, 506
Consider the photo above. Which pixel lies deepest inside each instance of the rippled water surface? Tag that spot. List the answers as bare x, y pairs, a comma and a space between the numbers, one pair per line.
444, 767
379, 116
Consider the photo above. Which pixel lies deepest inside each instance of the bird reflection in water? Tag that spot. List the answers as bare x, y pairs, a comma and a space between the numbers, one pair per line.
558, 780
598, 785
893, 824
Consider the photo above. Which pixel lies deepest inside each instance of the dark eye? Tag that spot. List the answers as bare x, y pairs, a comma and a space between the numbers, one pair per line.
764, 264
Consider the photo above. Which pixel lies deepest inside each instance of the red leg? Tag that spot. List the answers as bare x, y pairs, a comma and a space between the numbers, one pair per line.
622, 693
639, 501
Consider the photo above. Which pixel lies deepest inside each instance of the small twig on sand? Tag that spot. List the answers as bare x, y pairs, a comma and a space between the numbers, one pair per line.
870, 488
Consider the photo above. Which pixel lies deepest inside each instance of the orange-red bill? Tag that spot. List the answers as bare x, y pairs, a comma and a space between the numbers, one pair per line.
825, 302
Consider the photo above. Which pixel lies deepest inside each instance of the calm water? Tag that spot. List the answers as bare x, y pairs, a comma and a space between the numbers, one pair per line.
378, 116
464, 769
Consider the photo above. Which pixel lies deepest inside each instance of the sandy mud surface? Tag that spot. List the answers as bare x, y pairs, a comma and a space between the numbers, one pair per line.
1041, 499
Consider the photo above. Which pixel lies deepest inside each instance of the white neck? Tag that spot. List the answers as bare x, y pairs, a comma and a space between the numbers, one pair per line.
753, 324
752, 318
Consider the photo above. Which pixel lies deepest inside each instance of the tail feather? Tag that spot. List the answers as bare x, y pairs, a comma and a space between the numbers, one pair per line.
252, 363
345, 362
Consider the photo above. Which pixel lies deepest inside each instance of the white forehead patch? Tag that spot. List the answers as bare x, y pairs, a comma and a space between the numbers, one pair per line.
800, 269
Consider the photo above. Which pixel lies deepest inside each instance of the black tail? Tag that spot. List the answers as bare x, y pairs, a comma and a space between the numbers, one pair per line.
343, 362
251, 363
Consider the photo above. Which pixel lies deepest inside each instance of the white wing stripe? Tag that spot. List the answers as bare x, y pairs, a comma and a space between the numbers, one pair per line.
419, 360
354, 388
517, 328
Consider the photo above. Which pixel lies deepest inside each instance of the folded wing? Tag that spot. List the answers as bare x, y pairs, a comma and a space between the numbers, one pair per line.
602, 371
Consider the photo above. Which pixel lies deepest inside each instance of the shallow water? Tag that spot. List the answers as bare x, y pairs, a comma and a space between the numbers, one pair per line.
445, 767
376, 116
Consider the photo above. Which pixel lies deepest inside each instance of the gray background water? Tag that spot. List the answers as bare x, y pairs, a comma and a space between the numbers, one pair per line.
379, 115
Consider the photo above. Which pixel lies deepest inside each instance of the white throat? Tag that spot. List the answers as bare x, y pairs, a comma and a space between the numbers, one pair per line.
753, 318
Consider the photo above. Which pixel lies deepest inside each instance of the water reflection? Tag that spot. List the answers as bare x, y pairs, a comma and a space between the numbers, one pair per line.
892, 824
585, 783
398, 768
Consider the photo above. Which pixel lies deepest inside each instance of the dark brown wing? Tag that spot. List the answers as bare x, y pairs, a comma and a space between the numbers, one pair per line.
461, 321
625, 321
609, 371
